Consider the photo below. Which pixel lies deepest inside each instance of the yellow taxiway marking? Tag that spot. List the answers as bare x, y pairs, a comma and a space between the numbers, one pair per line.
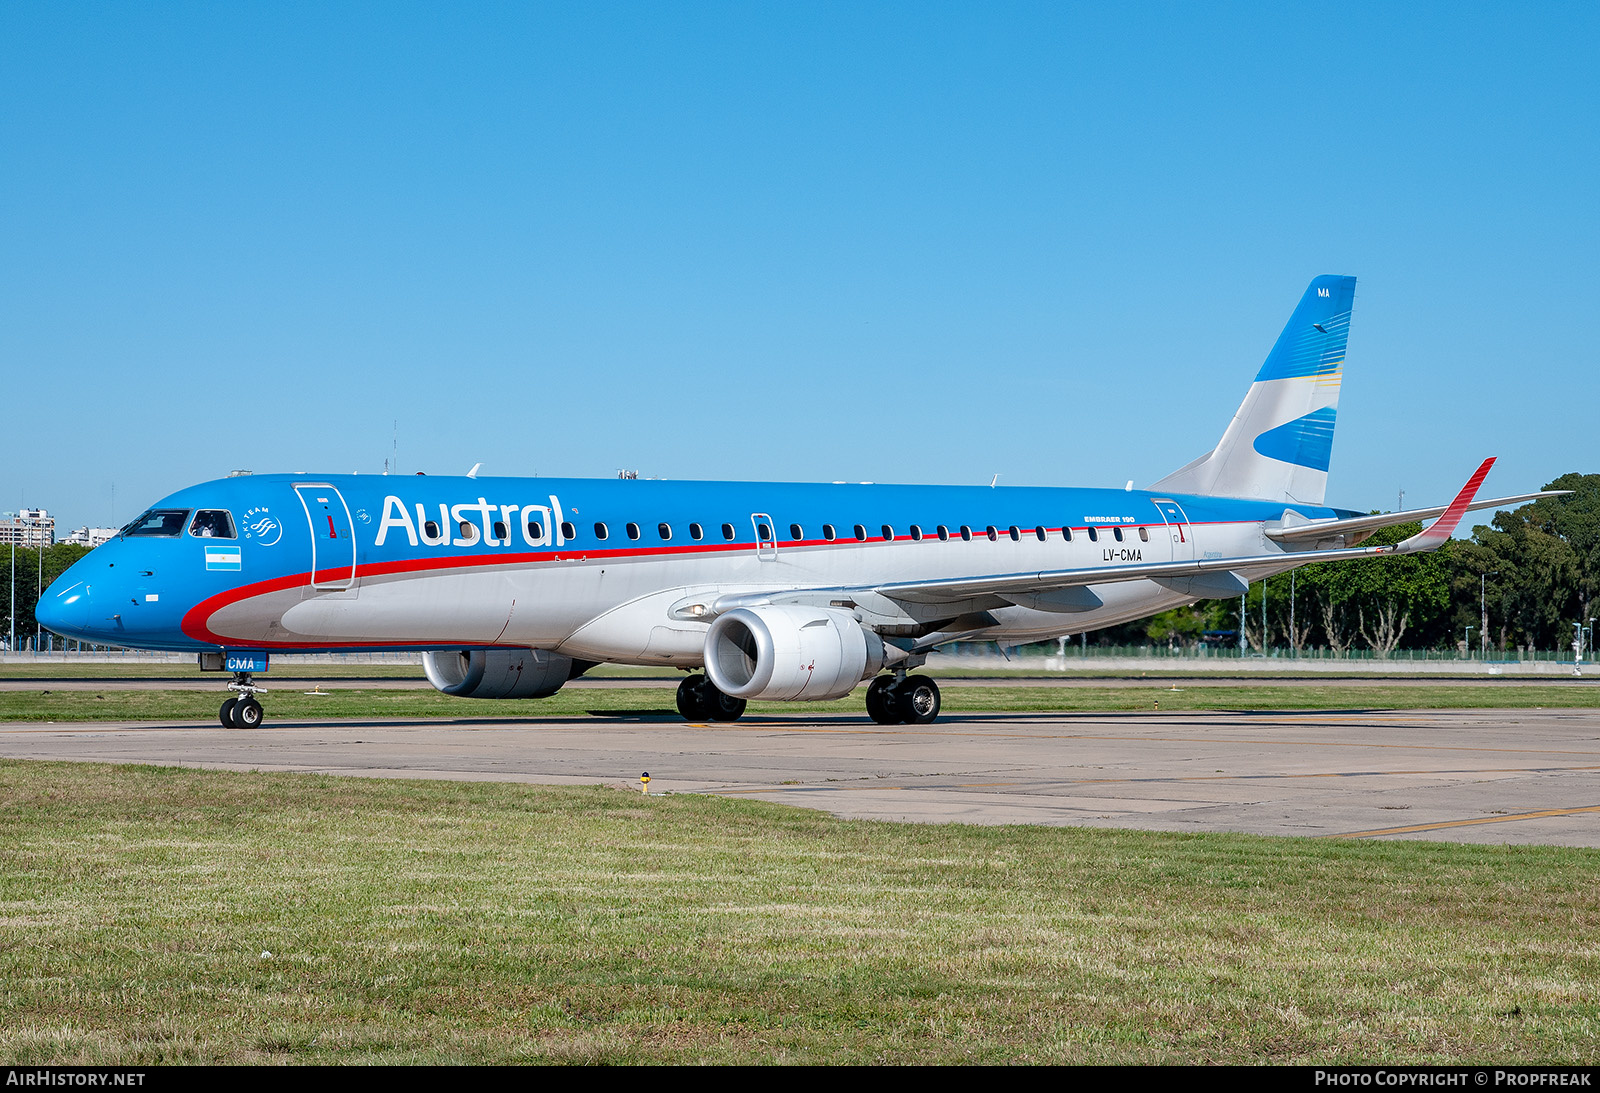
1176, 780
1540, 815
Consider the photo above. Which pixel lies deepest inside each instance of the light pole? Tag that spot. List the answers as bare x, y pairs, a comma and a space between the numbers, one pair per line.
38, 595
1483, 610
11, 642
1467, 642
1294, 648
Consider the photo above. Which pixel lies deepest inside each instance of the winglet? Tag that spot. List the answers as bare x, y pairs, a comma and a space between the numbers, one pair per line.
1441, 529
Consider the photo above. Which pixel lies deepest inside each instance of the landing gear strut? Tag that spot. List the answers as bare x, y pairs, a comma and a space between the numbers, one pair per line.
242, 711
699, 700
903, 700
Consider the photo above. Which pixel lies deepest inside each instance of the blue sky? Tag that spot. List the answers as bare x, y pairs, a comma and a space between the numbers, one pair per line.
912, 242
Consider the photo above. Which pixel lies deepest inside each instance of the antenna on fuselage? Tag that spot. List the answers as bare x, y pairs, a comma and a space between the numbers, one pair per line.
994, 481
473, 473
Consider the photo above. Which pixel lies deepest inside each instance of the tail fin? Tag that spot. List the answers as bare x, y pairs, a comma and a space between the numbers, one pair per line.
1280, 440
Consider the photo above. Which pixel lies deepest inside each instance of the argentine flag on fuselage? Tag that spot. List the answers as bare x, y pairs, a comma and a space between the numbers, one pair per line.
1280, 441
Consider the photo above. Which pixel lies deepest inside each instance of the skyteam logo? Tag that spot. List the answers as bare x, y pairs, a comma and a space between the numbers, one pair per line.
225, 558
261, 527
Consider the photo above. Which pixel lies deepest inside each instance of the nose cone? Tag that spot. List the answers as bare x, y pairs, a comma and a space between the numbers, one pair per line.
65, 608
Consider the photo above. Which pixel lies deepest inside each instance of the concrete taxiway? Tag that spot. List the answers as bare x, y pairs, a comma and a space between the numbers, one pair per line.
1483, 776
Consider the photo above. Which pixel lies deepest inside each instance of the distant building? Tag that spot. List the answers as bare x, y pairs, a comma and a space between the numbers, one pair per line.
90, 537
29, 528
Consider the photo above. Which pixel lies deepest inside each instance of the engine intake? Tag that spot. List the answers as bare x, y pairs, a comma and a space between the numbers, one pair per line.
782, 652
500, 673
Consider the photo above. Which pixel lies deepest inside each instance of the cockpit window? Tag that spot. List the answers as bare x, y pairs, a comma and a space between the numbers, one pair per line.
163, 522
212, 524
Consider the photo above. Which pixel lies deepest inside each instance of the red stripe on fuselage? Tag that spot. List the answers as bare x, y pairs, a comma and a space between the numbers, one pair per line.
196, 620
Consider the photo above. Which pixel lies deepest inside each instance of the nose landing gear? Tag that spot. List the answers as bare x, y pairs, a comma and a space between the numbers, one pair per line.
242, 711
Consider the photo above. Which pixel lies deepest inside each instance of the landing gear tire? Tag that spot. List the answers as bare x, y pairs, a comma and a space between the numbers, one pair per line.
247, 714
699, 700
918, 700
882, 701
694, 698
724, 707
225, 715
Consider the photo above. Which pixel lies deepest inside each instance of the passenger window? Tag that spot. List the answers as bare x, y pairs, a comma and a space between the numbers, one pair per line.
431, 530
888, 534
1066, 534
696, 532
861, 533
728, 532
601, 532
991, 533
1117, 533
633, 531
944, 534
1094, 536
966, 533
212, 524
469, 531
568, 531
1144, 535
916, 533
536, 531
827, 532
796, 532
500, 530
665, 531
763, 533
1016, 535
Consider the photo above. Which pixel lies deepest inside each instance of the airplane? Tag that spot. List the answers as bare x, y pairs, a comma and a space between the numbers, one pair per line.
511, 587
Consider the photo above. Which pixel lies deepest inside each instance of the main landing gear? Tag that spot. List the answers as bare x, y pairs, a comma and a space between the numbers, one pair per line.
903, 700
242, 711
699, 700
891, 700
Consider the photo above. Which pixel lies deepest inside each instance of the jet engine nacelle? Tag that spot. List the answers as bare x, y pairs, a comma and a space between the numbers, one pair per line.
783, 652
499, 673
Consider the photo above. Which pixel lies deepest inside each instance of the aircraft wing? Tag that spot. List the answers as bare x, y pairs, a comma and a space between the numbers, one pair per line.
1217, 576
1361, 526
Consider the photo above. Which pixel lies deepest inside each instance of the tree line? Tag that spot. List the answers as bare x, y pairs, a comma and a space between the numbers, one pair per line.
56, 560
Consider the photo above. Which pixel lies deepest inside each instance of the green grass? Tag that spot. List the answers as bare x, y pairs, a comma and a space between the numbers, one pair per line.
412, 922
288, 702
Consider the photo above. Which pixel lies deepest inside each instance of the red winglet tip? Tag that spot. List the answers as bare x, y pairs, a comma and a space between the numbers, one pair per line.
1444, 527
